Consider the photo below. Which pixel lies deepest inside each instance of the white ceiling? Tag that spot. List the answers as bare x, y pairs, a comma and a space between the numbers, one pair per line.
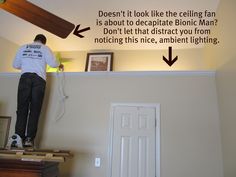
85, 13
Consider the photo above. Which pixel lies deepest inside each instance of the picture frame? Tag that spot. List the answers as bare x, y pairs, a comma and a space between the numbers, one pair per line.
99, 61
5, 123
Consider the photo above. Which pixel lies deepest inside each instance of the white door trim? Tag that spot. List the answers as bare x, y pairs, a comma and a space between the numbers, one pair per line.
158, 133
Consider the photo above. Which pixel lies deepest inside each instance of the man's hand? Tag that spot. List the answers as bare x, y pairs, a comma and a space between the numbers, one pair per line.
61, 67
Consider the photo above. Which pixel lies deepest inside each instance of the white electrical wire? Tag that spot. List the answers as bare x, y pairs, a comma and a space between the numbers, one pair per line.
62, 96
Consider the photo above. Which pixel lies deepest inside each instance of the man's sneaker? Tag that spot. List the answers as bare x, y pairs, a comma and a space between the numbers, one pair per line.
29, 142
14, 142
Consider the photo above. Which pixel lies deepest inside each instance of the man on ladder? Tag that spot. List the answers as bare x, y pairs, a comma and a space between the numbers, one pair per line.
31, 59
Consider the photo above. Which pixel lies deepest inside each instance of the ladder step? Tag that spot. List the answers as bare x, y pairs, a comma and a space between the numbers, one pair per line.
36, 154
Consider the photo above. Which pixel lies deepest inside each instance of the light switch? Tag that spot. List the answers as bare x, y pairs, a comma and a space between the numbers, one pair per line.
97, 162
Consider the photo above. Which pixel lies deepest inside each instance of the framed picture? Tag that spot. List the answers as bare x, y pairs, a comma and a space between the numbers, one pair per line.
99, 61
4, 130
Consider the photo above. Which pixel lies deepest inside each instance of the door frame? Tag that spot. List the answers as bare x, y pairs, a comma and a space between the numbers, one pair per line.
157, 134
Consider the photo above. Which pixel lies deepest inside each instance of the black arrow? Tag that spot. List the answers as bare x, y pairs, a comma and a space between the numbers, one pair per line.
77, 31
169, 61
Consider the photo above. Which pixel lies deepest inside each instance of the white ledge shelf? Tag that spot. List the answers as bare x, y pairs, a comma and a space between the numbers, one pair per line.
128, 73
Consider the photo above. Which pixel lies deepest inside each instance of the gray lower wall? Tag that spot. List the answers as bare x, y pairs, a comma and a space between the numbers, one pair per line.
190, 134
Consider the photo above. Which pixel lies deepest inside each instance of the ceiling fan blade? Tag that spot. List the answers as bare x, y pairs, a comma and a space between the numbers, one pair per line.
38, 17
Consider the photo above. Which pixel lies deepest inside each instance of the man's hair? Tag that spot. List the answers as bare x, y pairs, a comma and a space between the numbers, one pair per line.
41, 38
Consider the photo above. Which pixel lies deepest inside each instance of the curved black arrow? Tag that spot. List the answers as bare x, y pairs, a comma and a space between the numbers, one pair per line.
77, 31
170, 61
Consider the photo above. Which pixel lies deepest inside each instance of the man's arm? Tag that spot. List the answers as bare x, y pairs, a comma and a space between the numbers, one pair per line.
50, 58
52, 61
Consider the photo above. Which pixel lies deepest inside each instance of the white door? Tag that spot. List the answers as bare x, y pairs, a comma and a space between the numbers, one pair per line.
133, 141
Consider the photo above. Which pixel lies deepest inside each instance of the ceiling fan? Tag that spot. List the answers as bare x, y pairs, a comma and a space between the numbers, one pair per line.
38, 17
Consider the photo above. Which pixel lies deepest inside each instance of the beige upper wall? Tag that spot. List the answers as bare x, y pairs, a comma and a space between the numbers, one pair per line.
85, 13
217, 56
7, 53
141, 60
124, 60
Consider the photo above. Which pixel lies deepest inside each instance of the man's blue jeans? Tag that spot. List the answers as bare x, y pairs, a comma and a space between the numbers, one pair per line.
30, 96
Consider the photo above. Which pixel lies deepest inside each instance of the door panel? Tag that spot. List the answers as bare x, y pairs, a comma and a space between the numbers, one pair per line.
133, 141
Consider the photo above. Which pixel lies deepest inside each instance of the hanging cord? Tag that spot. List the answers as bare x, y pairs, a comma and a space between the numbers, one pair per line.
62, 96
